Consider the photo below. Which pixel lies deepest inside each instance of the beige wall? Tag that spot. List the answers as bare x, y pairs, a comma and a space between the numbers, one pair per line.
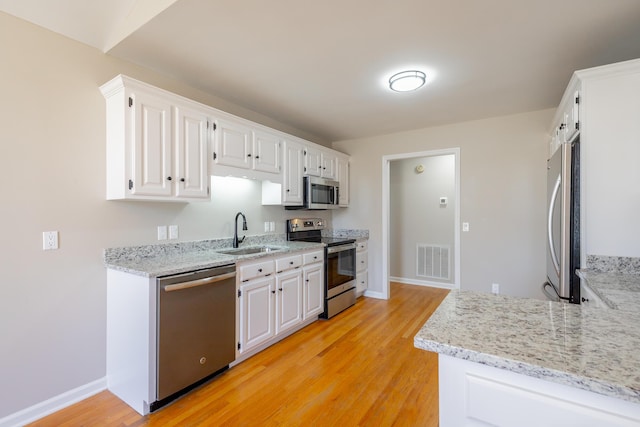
52, 159
503, 193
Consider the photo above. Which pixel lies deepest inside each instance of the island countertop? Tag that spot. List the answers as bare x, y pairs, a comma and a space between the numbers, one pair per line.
594, 349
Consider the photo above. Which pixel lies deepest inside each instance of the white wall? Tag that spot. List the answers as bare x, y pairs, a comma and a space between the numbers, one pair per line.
52, 158
610, 158
416, 216
503, 193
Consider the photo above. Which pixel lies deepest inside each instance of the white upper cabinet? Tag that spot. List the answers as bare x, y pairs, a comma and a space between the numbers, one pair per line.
342, 177
566, 122
150, 119
164, 147
267, 151
232, 144
156, 144
192, 129
329, 165
292, 174
245, 148
312, 161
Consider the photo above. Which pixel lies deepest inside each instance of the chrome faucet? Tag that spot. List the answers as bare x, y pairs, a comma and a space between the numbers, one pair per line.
237, 241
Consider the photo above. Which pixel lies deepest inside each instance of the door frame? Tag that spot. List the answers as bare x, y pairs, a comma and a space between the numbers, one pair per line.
386, 211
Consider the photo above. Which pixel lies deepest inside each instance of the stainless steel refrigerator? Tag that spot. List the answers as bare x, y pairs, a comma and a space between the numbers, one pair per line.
563, 224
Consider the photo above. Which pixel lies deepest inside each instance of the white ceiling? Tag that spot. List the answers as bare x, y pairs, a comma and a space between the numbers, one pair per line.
320, 66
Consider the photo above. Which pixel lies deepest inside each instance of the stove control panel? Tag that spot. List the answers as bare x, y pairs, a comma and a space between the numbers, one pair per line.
305, 224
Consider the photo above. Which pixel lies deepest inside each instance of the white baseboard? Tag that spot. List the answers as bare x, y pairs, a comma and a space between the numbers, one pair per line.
54, 404
373, 294
406, 281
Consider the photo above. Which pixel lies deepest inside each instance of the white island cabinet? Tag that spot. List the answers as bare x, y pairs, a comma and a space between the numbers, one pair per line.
505, 361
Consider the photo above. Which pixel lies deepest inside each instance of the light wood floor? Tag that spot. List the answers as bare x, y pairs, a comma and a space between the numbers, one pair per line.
358, 368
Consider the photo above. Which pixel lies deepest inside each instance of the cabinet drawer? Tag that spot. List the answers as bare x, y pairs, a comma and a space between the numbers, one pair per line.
362, 281
311, 257
257, 269
362, 261
287, 263
361, 246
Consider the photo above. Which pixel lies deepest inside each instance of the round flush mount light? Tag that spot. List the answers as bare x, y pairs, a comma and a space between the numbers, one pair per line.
407, 81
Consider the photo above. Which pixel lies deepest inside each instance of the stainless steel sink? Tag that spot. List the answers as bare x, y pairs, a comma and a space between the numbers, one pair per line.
249, 251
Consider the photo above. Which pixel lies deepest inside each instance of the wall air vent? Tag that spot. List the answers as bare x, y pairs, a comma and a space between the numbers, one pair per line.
432, 261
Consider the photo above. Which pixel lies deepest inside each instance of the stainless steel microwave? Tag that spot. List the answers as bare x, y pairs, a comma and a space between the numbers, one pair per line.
319, 194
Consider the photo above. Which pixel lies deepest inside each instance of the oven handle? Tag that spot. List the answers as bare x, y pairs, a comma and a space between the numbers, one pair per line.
341, 248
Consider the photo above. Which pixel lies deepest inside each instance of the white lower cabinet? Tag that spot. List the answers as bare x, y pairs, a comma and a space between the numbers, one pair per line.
362, 267
472, 394
276, 297
257, 312
313, 284
288, 300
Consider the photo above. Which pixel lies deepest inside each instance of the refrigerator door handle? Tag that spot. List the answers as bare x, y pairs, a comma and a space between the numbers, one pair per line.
552, 205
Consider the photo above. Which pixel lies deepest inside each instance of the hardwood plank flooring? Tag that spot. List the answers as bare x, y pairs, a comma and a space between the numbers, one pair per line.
357, 369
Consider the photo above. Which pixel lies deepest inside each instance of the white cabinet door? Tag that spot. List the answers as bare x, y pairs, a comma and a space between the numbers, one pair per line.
343, 178
312, 161
292, 174
232, 144
266, 152
191, 138
150, 119
256, 313
288, 300
313, 290
329, 161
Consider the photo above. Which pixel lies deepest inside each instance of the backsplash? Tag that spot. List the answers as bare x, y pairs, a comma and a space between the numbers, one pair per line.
612, 264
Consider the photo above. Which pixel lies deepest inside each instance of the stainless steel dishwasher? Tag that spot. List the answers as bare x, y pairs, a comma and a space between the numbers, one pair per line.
196, 328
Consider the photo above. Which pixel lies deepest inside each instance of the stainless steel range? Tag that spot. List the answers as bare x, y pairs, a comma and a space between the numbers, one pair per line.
339, 263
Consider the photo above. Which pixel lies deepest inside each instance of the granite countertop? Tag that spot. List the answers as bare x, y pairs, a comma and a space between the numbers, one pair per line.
175, 258
159, 260
617, 290
590, 348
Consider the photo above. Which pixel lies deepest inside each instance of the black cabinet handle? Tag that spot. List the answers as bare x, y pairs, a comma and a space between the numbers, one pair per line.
181, 179
585, 299
280, 289
168, 178
259, 270
257, 157
273, 292
248, 155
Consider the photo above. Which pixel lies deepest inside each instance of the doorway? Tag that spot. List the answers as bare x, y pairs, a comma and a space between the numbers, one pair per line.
427, 216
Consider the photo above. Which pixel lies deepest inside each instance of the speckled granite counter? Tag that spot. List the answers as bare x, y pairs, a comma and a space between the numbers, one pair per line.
588, 348
615, 280
167, 259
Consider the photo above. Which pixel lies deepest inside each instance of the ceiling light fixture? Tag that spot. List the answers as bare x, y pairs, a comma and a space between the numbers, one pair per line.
406, 81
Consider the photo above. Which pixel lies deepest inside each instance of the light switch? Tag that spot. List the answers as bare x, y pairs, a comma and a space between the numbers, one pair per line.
465, 226
162, 232
173, 232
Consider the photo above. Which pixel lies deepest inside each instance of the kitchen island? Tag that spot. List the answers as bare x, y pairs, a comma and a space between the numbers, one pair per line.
516, 361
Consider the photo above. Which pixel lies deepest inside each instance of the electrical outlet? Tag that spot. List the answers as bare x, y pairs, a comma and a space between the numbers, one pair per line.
173, 232
162, 232
272, 226
49, 240
465, 226
266, 226
495, 288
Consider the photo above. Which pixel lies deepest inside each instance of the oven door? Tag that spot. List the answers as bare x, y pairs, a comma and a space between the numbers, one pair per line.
340, 269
